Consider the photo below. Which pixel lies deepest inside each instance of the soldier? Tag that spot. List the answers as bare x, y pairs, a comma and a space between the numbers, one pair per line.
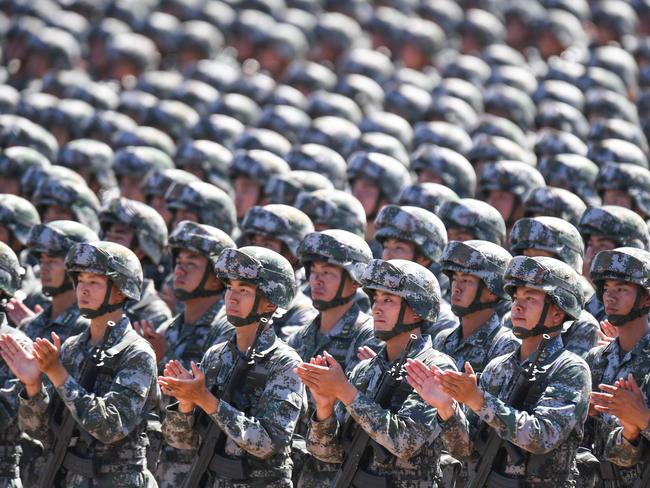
93, 160
10, 454
621, 279
626, 185
156, 185
334, 261
574, 173
405, 295
417, 235
281, 228
437, 164
140, 228
545, 293
131, 165
554, 202
606, 228
14, 162
202, 323
108, 448
557, 238
260, 421
333, 209
468, 219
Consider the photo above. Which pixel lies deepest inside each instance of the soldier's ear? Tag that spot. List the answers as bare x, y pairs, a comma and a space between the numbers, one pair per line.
558, 316
645, 301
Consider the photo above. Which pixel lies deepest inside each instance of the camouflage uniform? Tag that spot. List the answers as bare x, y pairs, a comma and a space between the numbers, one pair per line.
112, 417
259, 424
189, 342
150, 307
409, 427
558, 400
67, 324
610, 362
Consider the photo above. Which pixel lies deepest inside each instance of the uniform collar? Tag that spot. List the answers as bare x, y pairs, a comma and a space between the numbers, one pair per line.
421, 344
209, 315
480, 335
265, 343
344, 324
553, 346
115, 334
642, 347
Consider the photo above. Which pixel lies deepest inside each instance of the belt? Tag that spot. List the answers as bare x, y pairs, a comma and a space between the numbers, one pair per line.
496, 480
91, 467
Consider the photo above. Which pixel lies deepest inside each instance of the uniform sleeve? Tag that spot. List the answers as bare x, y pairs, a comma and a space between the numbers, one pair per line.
505, 344
562, 406
455, 433
33, 418
278, 410
9, 402
322, 440
177, 428
622, 452
583, 337
112, 416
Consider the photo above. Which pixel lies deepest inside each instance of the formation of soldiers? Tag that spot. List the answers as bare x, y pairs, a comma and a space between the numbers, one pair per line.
314, 243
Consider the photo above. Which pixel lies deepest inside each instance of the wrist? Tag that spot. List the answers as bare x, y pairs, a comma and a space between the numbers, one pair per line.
645, 420
185, 407
446, 411
33, 389
347, 394
57, 375
477, 401
208, 402
630, 434
324, 411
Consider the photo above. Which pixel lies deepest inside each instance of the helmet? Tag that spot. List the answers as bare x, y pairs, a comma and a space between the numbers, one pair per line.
490, 149
212, 205
387, 173
415, 284
559, 281
444, 134
616, 151
388, 123
630, 178
483, 259
89, 155
575, 173
554, 202
143, 135
320, 159
137, 161
173, 117
158, 181
284, 188
515, 177
452, 168
15, 160
412, 224
282, 222
549, 234
334, 132
268, 270
284, 119
67, 194
384, 144
429, 196
622, 225
34, 175
148, 226
263, 139
10, 271
482, 219
333, 209
623, 264
551, 142
18, 215
118, 263
223, 129
257, 164
211, 157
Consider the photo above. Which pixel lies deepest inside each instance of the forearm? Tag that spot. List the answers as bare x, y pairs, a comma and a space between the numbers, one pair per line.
178, 429
322, 441
622, 451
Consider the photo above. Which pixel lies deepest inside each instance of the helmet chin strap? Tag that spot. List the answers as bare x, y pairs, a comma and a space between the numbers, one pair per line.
104, 308
620, 320
540, 328
252, 317
53, 291
338, 299
399, 328
199, 291
476, 304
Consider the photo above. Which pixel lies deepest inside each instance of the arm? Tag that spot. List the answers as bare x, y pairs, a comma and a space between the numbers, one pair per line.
277, 413
33, 415
562, 406
178, 429
623, 452
322, 440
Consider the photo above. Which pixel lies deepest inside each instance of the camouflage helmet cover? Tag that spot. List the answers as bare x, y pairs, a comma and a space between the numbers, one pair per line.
429, 196
511, 176
18, 215
10, 271
386, 172
627, 264
57, 237
334, 209
554, 202
620, 224
482, 219
202, 239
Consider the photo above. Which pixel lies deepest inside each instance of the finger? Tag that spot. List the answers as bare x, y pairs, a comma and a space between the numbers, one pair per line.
632, 383
330, 359
608, 388
38, 308
196, 371
57, 341
468, 368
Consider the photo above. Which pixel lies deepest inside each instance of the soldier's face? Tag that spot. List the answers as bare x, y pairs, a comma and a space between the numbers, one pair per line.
159, 205
267, 242
130, 188
56, 212
91, 289
527, 307
619, 297
459, 234
240, 298
504, 202
617, 197
10, 185
595, 244
531, 253
428, 176
188, 270
247, 194
121, 234
367, 193
183, 214
463, 289
52, 270
398, 249
385, 311
324, 281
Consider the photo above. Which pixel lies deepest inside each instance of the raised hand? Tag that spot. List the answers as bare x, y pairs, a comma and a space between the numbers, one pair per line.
607, 333
158, 341
47, 355
624, 400
463, 387
189, 390
17, 311
364, 352
21, 362
426, 383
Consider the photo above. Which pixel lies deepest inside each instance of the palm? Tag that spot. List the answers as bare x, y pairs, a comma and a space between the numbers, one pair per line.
432, 393
23, 365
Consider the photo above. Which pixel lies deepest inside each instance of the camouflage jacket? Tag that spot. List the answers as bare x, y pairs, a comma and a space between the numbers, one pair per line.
112, 416
407, 429
261, 420
189, 342
66, 325
578, 336
299, 314
446, 320
10, 451
596, 308
150, 307
549, 428
486, 343
609, 363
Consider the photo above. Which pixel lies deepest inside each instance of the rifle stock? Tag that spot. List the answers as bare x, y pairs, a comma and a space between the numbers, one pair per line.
351, 472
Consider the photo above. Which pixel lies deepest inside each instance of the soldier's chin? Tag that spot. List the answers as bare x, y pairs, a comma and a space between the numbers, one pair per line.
518, 323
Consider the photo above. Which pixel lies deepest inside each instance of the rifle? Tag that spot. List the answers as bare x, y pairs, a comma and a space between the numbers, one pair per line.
64, 424
208, 456
360, 446
493, 444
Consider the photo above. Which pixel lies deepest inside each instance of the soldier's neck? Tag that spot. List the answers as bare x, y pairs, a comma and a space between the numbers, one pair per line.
528, 346
62, 302
98, 324
245, 336
396, 345
631, 333
195, 308
473, 321
330, 317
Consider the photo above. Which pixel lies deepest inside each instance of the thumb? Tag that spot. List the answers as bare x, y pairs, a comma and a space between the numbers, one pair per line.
468, 368
196, 371
632, 382
330, 359
57, 341
38, 308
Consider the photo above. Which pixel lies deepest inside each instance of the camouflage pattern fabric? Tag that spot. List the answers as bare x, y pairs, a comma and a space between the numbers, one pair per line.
297, 316
333, 209
67, 324
625, 264
554, 202
10, 271
407, 429
282, 222
602, 432
261, 421
482, 220
559, 403
18, 215
446, 320
188, 342
150, 307
111, 418
620, 224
